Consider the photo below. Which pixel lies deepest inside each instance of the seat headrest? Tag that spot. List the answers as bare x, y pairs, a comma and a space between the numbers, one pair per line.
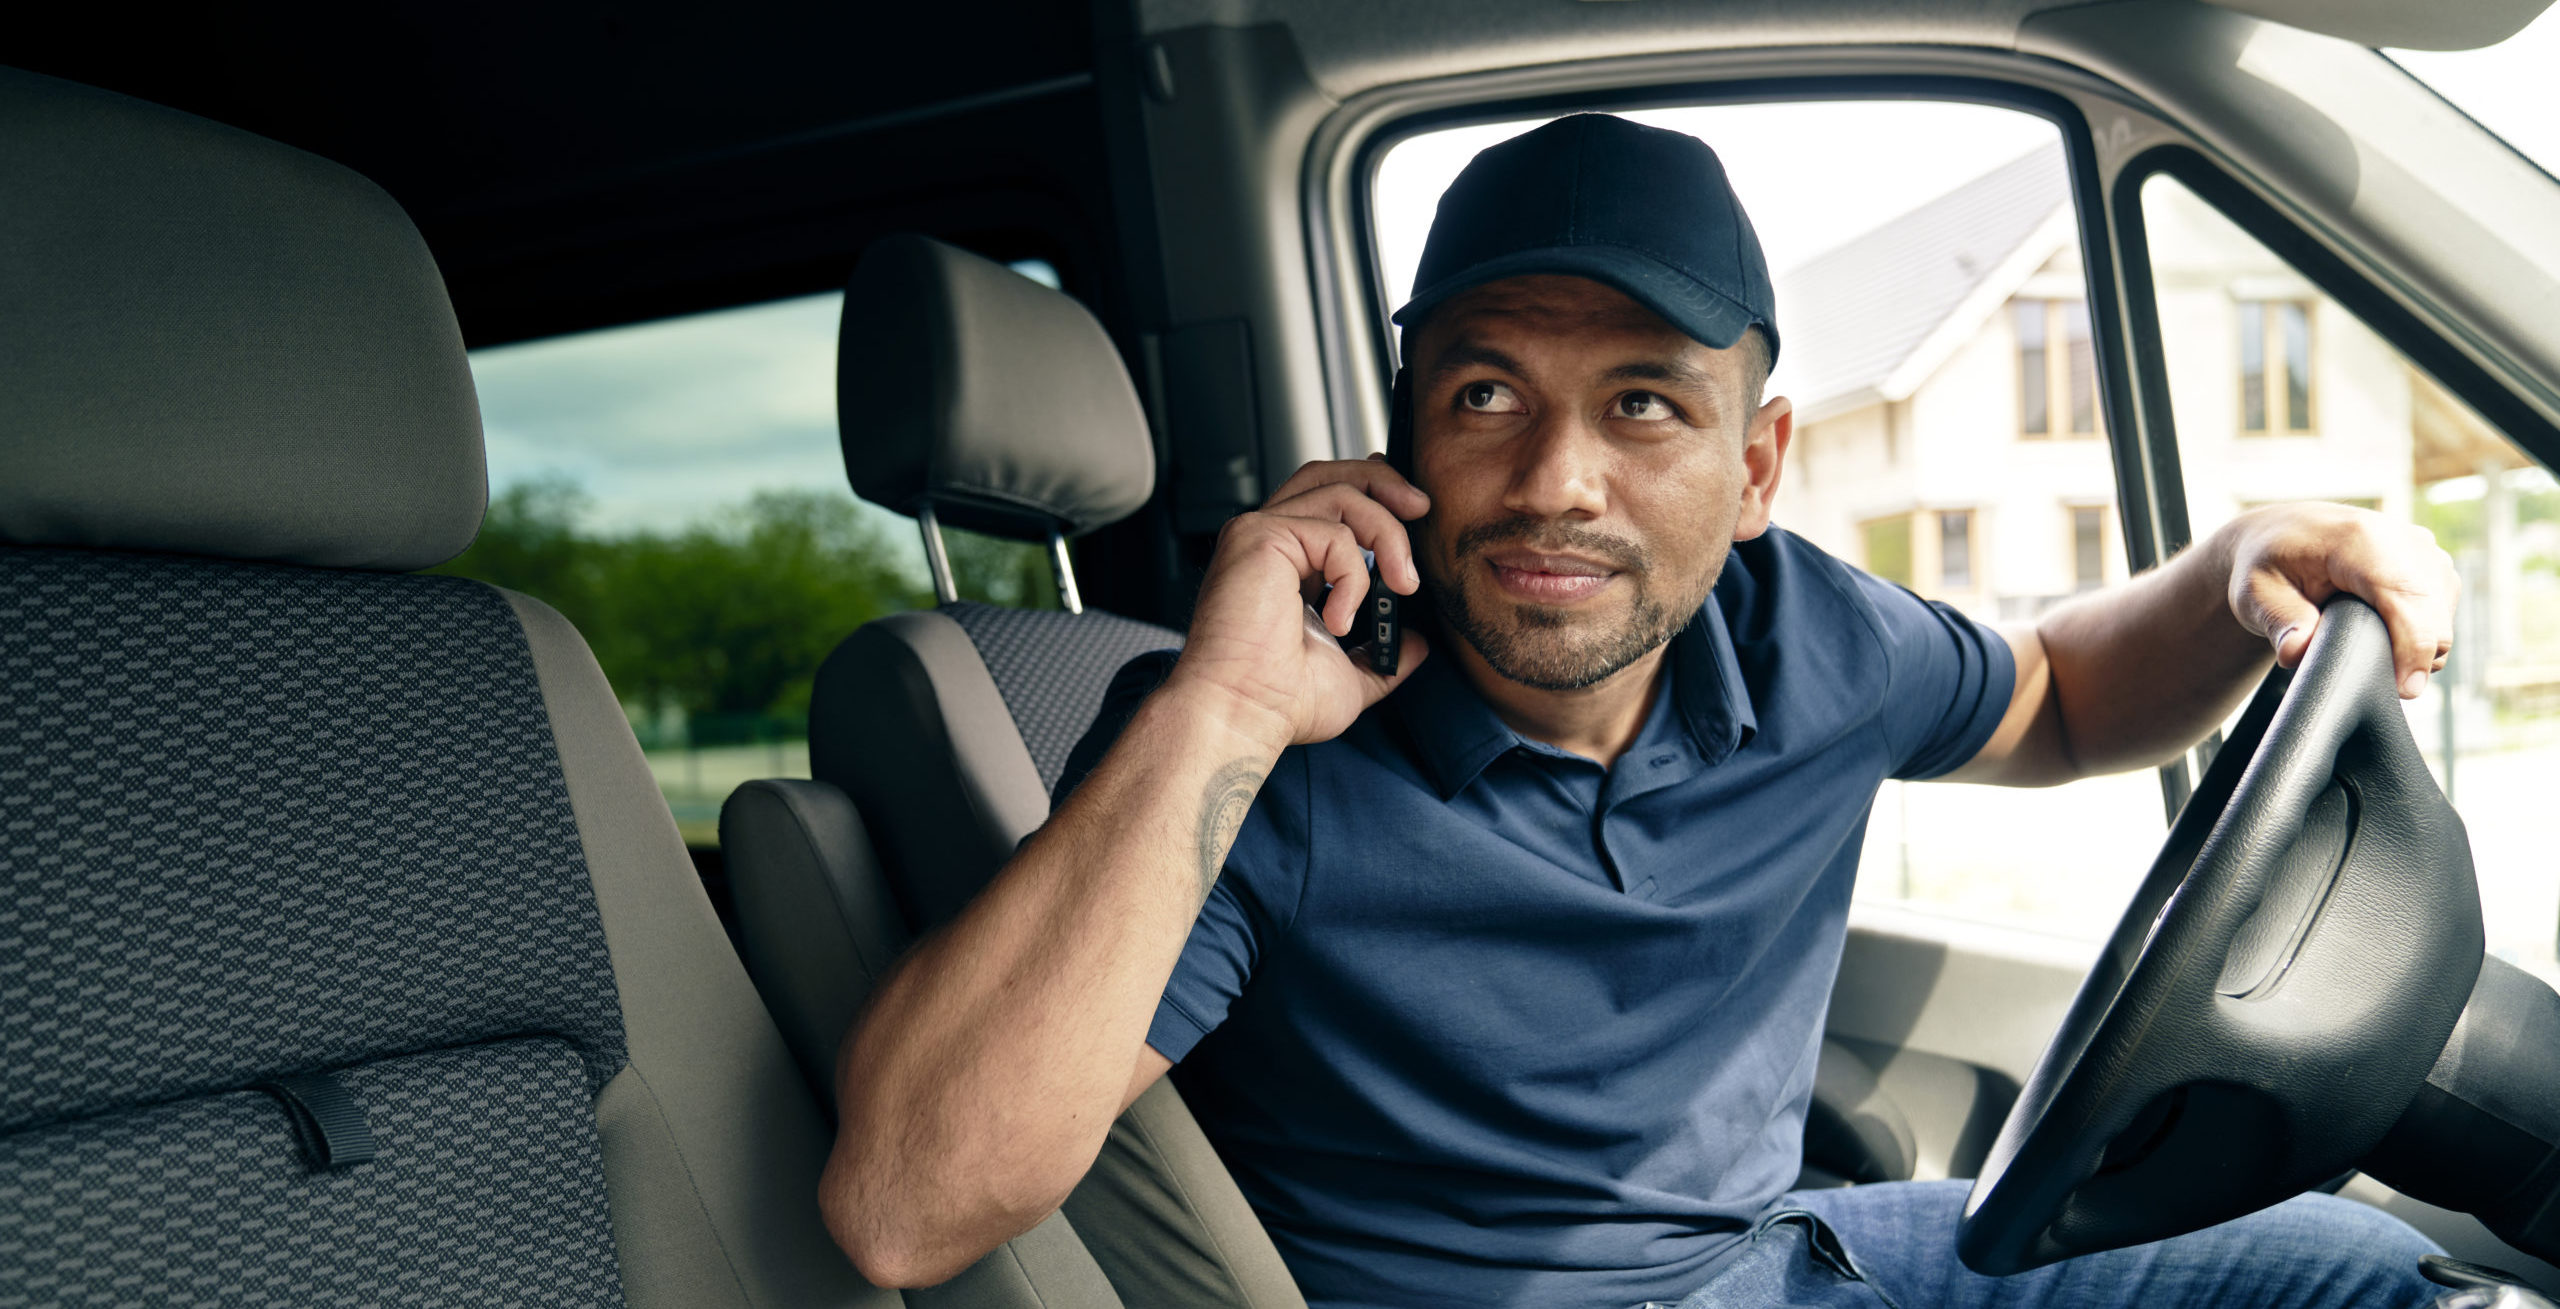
963, 384
214, 344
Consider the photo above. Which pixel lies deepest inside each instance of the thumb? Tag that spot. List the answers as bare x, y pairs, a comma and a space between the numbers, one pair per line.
2268, 603
1409, 656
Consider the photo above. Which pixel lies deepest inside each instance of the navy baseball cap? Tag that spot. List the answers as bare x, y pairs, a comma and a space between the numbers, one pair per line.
1642, 209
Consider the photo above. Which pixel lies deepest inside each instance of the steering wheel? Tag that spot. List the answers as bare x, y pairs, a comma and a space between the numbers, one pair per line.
2274, 996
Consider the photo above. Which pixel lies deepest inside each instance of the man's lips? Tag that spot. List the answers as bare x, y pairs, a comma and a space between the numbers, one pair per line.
1548, 579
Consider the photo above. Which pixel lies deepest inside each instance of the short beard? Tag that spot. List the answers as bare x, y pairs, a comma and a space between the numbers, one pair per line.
1558, 663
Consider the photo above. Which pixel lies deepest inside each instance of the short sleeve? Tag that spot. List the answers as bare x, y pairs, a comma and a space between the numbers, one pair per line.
1948, 683
1254, 901
1255, 895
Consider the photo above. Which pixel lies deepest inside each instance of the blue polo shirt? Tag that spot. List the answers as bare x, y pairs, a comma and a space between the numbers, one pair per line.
1475, 1021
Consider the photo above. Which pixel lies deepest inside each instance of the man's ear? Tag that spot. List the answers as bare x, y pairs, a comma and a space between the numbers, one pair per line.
1764, 461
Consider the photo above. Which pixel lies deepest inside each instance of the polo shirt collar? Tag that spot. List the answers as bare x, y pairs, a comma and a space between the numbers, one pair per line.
1456, 734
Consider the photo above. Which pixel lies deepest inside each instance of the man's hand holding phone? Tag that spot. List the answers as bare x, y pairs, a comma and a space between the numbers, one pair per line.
1267, 636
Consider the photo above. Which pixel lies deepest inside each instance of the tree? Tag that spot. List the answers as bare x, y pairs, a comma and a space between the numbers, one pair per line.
725, 621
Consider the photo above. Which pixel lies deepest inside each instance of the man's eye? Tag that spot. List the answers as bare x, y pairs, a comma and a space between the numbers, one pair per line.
1643, 406
1488, 398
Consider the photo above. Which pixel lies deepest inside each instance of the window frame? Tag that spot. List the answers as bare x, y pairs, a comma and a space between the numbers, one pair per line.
2071, 511
2276, 367
2061, 415
2327, 272
1357, 342
2330, 274
2132, 138
1972, 521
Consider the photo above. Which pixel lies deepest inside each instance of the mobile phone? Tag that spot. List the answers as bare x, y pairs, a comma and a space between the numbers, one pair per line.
1379, 630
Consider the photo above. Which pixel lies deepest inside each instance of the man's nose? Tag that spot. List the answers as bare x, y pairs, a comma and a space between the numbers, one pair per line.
1560, 469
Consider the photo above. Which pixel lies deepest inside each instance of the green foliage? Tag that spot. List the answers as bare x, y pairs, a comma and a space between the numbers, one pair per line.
1014, 574
2459, 524
725, 620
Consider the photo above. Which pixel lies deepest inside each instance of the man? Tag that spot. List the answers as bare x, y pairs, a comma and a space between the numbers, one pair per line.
1500, 981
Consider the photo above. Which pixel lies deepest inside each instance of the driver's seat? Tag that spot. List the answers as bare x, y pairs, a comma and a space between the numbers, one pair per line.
970, 393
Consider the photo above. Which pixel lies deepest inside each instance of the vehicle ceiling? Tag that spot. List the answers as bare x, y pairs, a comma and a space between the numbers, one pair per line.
579, 164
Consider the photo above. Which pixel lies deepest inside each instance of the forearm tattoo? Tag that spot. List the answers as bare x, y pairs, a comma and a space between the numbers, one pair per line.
1222, 810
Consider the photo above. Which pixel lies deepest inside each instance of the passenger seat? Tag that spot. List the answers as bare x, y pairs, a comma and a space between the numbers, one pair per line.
348, 954
973, 396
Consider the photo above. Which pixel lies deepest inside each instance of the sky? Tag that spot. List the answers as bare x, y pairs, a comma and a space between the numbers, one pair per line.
665, 419
666, 422
1812, 176
2507, 88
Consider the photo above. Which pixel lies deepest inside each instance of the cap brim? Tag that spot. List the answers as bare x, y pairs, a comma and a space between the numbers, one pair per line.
1680, 299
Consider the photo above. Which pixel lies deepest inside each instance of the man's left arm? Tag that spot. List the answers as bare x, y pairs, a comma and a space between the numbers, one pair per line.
2130, 676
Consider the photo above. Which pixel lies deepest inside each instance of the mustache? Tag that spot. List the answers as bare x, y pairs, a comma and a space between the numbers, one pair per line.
1552, 538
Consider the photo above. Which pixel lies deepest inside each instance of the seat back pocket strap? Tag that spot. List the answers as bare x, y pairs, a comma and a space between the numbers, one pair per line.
326, 1119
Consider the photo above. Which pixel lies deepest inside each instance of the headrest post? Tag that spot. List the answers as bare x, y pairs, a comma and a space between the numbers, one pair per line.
945, 591
1064, 570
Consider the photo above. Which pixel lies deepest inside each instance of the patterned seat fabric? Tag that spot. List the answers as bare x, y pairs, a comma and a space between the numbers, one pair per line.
348, 952
260, 820
1052, 668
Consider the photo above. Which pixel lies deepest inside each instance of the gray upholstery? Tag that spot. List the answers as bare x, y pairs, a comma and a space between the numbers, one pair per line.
408, 878
1052, 668
819, 933
939, 735
713, 1143
1161, 1215
488, 1190
224, 863
1853, 1131
1000, 401
1157, 1210
814, 917
909, 718
214, 344
259, 819
904, 718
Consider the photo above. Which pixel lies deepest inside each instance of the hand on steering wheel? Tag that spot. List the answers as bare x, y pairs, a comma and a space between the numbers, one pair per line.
2274, 996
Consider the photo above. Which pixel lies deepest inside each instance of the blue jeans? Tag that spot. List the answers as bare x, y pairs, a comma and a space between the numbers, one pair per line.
1893, 1246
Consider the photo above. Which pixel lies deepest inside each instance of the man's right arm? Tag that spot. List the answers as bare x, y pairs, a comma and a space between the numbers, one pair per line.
978, 1084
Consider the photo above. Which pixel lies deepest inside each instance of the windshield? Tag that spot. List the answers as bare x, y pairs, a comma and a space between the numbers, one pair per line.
2506, 87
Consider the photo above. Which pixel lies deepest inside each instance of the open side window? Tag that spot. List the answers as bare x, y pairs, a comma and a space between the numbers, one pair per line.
2276, 373
1960, 428
677, 489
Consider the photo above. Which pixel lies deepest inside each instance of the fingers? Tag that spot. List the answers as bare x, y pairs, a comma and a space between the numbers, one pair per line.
1409, 657
2412, 584
1334, 551
2283, 614
1371, 523
2396, 568
2421, 623
1308, 548
1371, 477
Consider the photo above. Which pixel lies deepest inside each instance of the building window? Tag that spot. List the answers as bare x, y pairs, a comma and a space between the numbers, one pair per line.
2088, 549
1955, 550
2275, 367
2034, 376
1888, 542
2057, 368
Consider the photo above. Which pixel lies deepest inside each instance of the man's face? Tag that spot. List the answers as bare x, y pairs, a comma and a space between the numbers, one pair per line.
1589, 467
